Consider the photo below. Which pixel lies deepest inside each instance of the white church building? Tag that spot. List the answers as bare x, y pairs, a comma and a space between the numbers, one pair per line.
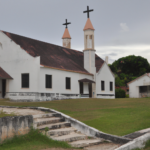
32, 70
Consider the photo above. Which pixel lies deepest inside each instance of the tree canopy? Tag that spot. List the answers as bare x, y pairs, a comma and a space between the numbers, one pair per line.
128, 68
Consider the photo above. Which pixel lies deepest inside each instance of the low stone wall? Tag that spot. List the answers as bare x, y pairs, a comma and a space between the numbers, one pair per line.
136, 143
10, 126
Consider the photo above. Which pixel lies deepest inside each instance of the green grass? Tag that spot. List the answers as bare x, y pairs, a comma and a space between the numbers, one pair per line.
34, 140
114, 116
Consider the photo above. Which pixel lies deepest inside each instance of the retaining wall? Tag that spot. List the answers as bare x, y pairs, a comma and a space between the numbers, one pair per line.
10, 126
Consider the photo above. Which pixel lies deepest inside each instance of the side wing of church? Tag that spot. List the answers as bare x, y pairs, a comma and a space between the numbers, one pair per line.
32, 70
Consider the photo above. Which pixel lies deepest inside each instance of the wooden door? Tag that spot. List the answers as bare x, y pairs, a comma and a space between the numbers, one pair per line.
81, 87
3, 87
90, 90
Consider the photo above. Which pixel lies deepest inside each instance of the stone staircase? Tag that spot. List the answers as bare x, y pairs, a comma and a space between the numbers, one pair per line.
56, 128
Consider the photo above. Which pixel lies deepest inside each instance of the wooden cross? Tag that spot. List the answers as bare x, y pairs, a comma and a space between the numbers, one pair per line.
88, 11
66, 23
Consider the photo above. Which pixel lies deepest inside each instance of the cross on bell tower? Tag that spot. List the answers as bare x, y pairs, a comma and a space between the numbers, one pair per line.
66, 23
88, 11
66, 36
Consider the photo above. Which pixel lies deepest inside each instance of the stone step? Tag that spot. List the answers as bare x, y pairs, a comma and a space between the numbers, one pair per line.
103, 146
61, 131
70, 137
46, 115
85, 143
42, 121
55, 125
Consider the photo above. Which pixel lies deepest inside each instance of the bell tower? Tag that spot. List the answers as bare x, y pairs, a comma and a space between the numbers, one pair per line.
66, 39
89, 51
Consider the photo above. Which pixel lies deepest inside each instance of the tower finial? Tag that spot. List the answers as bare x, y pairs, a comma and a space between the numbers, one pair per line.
66, 23
88, 11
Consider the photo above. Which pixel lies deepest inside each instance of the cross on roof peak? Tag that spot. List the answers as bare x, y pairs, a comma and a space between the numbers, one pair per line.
66, 23
88, 11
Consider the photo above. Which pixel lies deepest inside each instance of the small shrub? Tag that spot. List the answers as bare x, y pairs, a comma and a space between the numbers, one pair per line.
120, 93
127, 95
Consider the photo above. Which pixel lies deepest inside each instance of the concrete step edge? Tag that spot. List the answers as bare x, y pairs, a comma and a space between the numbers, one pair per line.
63, 131
70, 139
55, 125
48, 121
44, 115
86, 143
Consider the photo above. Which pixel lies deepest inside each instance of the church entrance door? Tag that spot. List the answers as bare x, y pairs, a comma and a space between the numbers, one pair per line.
3, 87
90, 90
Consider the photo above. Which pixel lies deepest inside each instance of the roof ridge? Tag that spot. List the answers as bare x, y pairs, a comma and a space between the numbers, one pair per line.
38, 40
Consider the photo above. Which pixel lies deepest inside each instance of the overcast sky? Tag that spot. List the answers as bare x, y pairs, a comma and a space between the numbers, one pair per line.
122, 27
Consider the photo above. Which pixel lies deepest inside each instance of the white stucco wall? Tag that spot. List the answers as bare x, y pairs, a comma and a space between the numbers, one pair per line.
15, 61
134, 86
88, 44
89, 61
59, 81
66, 43
105, 75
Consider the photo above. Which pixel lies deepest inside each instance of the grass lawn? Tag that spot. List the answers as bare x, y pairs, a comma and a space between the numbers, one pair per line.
118, 116
32, 141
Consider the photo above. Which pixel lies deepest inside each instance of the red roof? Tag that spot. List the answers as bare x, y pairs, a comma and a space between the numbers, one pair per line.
66, 34
4, 74
54, 56
88, 25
